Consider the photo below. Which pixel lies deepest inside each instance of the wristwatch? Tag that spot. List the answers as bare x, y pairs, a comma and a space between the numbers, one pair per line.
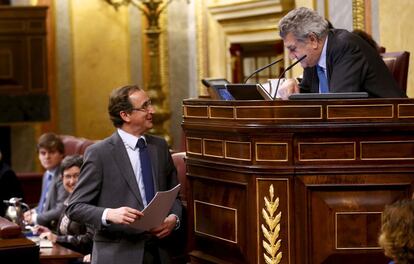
177, 222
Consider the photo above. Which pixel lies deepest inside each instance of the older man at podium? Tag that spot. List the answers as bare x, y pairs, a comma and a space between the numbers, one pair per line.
336, 60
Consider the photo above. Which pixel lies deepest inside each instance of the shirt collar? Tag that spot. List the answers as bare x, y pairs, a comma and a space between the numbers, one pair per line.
129, 140
53, 171
322, 58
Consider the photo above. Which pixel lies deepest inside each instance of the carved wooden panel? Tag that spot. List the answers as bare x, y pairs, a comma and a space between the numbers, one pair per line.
23, 66
406, 110
360, 111
310, 112
221, 217
347, 218
268, 151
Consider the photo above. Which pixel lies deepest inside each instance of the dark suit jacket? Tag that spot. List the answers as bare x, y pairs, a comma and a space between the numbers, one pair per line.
107, 180
53, 207
352, 66
9, 186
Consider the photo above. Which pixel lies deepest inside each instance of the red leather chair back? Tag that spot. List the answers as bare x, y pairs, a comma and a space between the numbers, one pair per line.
397, 63
179, 162
75, 145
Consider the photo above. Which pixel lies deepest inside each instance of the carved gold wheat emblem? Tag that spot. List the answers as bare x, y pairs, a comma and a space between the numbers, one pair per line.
271, 232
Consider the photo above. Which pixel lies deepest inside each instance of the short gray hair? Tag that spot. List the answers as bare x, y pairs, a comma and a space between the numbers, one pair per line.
301, 22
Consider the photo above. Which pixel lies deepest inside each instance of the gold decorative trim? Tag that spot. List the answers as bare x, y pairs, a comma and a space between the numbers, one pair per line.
188, 144
201, 21
279, 118
217, 117
237, 142
358, 14
383, 142
272, 143
211, 155
359, 117
336, 230
195, 106
259, 259
219, 206
325, 143
399, 109
272, 229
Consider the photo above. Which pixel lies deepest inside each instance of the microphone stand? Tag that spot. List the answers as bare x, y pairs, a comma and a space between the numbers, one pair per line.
287, 69
261, 69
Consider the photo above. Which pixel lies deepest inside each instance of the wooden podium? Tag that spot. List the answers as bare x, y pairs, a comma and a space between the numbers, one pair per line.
295, 181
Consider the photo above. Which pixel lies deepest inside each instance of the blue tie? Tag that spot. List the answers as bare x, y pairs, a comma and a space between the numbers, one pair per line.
43, 197
323, 82
146, 170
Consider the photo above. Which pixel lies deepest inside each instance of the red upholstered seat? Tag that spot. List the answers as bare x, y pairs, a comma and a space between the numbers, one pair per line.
397, 63
179, 162
75, 145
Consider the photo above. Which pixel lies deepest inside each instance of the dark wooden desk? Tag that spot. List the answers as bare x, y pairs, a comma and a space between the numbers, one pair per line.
58, 255
312, 175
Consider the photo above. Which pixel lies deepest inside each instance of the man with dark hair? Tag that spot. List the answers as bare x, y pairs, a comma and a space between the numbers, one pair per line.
336, 60
51, 150
119, 178
70, 234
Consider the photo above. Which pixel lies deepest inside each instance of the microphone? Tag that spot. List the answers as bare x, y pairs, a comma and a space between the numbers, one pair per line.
261, 69
288, 68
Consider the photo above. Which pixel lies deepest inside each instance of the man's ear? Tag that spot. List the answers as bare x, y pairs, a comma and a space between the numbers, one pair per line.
313, 39
125, 116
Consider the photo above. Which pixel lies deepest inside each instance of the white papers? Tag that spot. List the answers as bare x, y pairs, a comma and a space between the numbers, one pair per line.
157, 209
44, 243
41, 242
270, 87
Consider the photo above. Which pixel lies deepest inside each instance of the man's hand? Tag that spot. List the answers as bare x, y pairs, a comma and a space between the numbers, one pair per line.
165, 228
123, 215
39, 229
288, 87
49, 236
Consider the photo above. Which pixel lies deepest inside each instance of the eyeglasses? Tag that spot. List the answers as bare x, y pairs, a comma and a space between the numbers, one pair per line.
145, 107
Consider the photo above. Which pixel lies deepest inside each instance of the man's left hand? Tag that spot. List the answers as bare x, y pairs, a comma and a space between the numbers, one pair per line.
165, 228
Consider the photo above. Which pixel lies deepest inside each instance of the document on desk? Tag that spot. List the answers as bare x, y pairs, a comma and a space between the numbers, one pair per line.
157, 209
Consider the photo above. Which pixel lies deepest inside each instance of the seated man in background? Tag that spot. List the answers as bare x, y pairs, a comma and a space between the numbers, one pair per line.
51, 151
70, 234
9, 185
397, 231
336, 60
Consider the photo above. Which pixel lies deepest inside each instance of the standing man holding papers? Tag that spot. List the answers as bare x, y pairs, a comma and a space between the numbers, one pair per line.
119, 177
337, 60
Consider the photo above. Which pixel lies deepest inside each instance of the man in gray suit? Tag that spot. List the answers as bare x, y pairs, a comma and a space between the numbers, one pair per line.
111, 193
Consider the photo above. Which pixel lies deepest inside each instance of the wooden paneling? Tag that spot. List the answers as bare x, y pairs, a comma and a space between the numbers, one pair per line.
23, 64
23, 48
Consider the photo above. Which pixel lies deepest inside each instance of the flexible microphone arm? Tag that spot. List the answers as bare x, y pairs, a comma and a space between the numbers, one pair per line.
288, 68
261, 69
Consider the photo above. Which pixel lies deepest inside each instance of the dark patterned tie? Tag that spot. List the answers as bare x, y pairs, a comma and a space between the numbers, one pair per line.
146, 170
323, 82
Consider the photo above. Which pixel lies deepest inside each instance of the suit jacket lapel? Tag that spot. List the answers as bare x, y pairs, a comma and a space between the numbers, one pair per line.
124, 165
